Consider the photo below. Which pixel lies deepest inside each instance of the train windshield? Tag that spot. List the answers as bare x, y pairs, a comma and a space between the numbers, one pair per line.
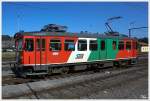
19, 45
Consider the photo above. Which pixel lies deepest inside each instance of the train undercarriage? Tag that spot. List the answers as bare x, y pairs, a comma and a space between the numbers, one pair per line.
43, 70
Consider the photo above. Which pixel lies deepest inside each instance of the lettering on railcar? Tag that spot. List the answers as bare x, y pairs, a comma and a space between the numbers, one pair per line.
79, 56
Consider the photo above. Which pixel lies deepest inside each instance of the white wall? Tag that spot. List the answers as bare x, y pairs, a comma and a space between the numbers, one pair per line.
144, 49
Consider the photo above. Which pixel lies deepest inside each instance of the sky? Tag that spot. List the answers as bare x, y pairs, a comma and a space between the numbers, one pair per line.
78, 16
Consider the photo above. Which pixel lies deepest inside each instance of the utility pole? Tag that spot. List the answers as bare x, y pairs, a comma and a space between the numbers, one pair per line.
18, 22
133, 29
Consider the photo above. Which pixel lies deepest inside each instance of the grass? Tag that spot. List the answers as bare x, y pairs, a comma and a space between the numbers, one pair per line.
8, 56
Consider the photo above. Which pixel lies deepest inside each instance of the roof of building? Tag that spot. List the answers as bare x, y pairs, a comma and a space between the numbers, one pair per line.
142, 43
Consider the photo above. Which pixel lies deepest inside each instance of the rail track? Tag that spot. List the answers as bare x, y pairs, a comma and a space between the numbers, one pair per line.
81, 84
13, 80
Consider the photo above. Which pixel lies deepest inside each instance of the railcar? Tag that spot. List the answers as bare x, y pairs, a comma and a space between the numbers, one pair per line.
46, 52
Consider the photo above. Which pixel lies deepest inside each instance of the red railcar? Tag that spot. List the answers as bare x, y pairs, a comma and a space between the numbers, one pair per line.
45, 52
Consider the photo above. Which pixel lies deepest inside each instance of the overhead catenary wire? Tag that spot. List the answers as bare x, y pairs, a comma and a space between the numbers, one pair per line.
135, 28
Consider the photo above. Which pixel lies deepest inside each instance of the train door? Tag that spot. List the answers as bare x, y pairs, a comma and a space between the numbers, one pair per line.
103, 50
112, 49
29, 51
40, 51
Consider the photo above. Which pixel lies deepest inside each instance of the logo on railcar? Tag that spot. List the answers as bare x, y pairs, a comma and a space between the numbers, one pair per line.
79, 56
55, 53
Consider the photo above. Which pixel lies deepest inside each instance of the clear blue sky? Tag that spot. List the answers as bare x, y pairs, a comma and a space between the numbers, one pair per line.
32, 16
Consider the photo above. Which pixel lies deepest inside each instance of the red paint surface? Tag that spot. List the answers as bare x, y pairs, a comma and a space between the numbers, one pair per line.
47, 56
127, 53
62, 56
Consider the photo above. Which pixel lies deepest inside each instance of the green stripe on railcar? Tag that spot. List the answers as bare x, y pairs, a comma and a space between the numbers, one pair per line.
112, 48
107, 49
103, 49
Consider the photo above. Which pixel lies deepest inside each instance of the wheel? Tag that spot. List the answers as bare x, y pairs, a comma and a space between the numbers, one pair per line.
101, 65
89, 67
124, 64
129, 62
71, 69
116, 64
134, 61
64, 70
50, 71
96, 68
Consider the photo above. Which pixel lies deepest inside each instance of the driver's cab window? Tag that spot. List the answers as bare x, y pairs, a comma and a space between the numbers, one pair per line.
18, 45
29, 45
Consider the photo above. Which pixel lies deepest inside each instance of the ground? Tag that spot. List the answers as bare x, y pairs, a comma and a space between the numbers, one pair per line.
129, 85
8, 56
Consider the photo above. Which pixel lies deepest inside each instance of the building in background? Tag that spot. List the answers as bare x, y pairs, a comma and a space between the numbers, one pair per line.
143, 47
8, 43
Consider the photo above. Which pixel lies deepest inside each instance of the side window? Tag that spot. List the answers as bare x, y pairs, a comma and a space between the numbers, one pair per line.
102, 45
19, 45
29, 45
128, 45
55, 45
93, 45
121, 45
82, 45
69, 45
114, 44
43, 44
38, 44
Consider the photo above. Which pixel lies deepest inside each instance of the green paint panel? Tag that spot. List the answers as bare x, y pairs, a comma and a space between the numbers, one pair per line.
103, 51
109, 52
112, 48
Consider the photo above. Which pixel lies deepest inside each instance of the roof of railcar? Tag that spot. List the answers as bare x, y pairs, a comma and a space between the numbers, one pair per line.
69, 34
